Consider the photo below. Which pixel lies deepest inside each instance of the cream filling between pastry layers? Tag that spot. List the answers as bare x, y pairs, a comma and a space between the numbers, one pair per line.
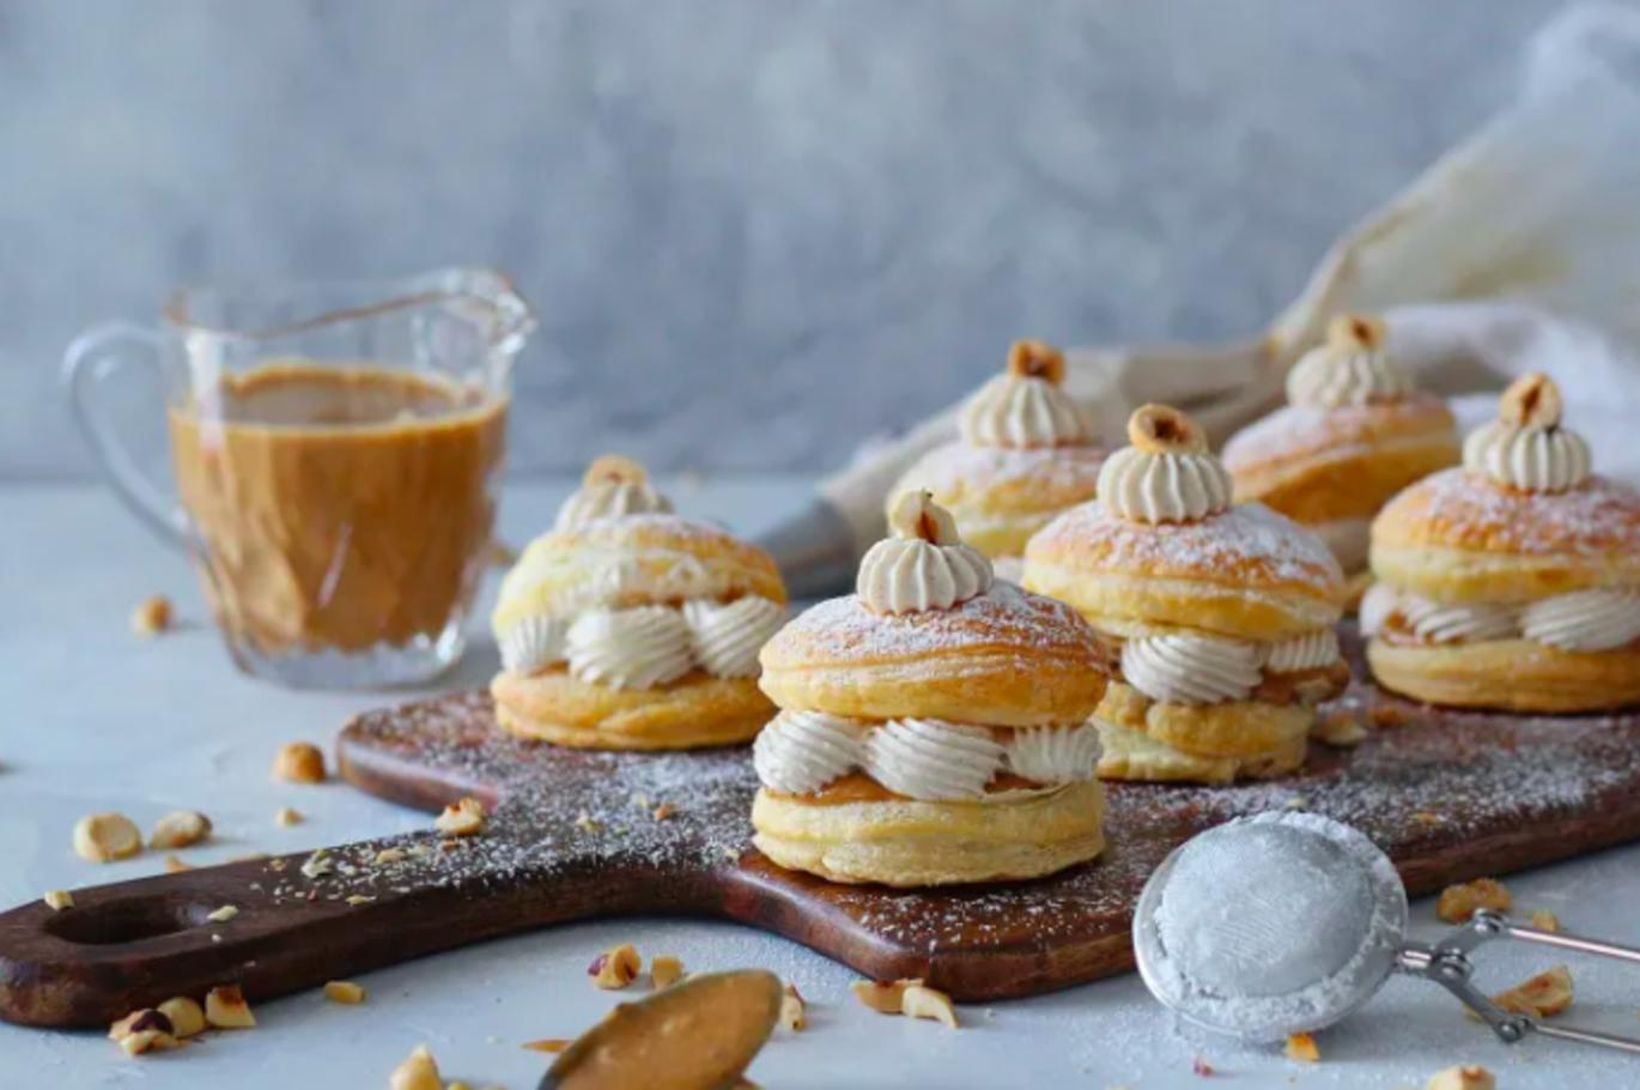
1600, 619
1183, 668
647, 646
930, 760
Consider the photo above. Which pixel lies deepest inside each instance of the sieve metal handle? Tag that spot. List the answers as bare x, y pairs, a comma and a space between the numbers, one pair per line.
1447, 964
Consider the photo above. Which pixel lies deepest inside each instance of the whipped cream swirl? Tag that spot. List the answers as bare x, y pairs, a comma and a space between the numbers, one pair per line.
1024, 407
612, 488
1167, 475
1188, 669
726, 639
1350, 368
924, 565
533, 644
1440, 622
1585, 620
629, 648
1055, 754
1598, 619
1311, 651
932, 759
799, 753
1526, 447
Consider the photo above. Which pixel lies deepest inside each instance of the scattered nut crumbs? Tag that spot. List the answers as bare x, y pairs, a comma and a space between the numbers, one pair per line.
911, 998
389, 855
1424, 817
1466, 1077
103, 838
58, 899
225, 1008
317, 865
1384, 715
223, 914
586, 823
180, 829
187, 1017
793, 1011
1544, 920
548, 1044
175, 865
884, 997
664, 811
464, 817
145, 1030
152, 616
1340, 730
345, 992
1544, 995
419, 1071
1302, 1047
287, 817
616, 967
299, 762
1458, 903
665, 970
357, 899
1200, 1066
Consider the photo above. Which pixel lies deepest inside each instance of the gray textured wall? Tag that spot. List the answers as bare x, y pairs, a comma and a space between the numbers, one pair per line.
756, 230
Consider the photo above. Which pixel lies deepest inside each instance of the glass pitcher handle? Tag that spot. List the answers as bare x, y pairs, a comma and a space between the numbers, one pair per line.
90, 360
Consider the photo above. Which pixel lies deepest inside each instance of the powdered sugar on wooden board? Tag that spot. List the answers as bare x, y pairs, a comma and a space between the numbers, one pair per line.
1446, 795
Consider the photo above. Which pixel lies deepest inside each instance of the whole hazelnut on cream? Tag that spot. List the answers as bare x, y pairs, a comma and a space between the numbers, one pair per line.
1526, 448
1167, 474
1350, 368
922, 564
1024, 407
612, 487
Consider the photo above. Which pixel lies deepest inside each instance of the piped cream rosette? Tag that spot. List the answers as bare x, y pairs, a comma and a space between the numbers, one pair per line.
1354, 431
1221, 615
629, 627
932, 725
1513, 581
1025, 452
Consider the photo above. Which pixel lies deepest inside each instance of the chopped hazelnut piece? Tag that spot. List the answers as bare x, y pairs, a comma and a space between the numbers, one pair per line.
664, 811
299, 762
317, 865
587, 823
389, 855
665, 970
142, 1031
1200, 1066
548, 1044
616, 967
176, 865
180, 829
345, 992
225, 1008
1425, 818
103, 838
1340, 730
187, 1017
287, 817
1544, 920
1467, 1077
793, 1011
223, 914
464, 817
1543, 995
1459, 903
58, 899
152, 616
882, 997
1302, 1047
419, 1071
920, 1001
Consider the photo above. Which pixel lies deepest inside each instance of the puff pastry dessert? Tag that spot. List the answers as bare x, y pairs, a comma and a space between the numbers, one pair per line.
1353, 433
1026, 452
933, 725
1221, 615
1513, 581
629, 627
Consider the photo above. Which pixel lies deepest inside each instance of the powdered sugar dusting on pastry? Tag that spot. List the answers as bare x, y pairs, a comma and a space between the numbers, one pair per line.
1461, 510
1349, 431
956, 469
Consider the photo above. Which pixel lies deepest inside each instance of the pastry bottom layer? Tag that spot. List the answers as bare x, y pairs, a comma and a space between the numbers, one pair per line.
1200, 743
906, 843
1512, 675
695, 710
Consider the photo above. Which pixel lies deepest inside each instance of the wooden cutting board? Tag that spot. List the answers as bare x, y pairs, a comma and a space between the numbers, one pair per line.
577, 835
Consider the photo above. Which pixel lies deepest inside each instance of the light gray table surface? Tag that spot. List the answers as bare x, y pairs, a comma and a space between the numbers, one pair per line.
97, 719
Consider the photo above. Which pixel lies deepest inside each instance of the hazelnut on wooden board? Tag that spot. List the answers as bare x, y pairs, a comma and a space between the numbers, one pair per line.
1458, 903
225, 1008
299, 762
418, 1071
223, 914
179, 829
103, 838
615, 968
464, 817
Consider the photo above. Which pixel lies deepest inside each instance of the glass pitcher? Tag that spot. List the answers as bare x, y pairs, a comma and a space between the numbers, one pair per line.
336, 450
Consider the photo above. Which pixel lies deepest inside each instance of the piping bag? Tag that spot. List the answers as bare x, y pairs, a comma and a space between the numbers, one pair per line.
1517, 250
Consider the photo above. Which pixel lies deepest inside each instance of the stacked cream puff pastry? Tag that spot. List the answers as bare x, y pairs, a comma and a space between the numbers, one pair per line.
933, 726
1514, 581
1222, 614
628, 627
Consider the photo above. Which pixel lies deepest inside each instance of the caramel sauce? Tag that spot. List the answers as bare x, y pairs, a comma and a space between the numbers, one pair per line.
337, 507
